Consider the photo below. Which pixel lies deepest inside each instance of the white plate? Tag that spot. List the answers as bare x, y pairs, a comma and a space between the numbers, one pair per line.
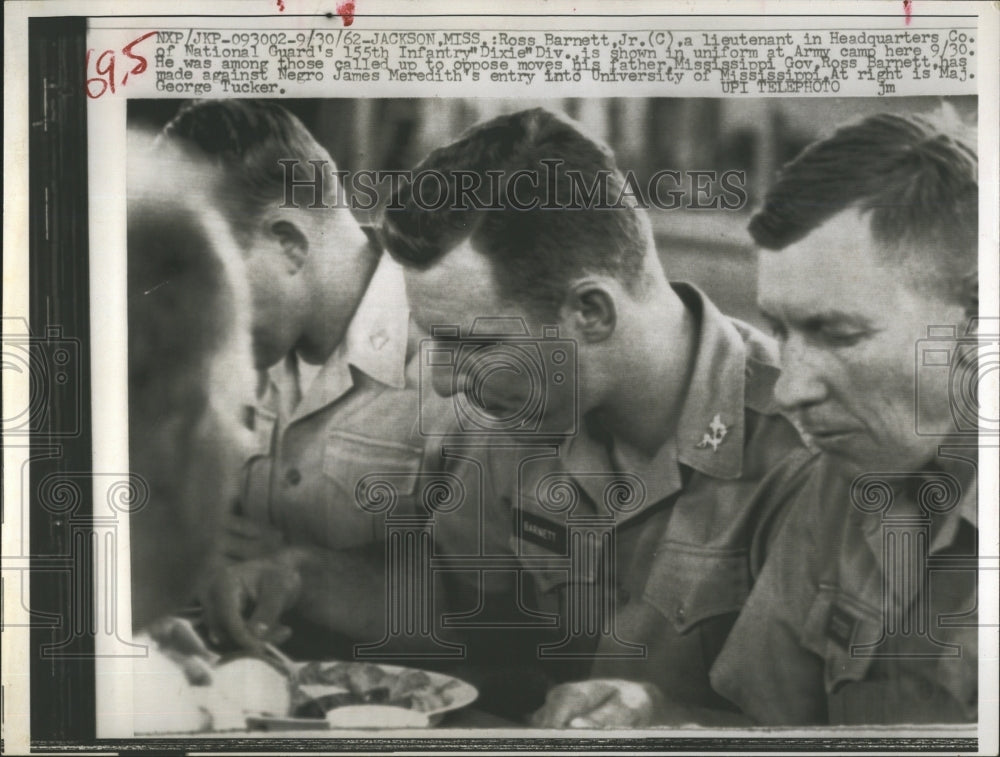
460, 694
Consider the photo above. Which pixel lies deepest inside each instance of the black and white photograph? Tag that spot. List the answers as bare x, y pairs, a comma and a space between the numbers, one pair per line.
603, 417
509, 383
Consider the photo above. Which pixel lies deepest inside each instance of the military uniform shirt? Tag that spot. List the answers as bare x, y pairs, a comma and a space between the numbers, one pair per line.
634, 568
834, 635
357, 416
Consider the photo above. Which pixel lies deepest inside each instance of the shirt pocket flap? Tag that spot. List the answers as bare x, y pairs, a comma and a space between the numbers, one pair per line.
358, 463
688, 585
833, 626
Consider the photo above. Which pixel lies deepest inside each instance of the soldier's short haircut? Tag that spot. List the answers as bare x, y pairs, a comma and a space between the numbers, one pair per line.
247, 138
534, 253
915, 178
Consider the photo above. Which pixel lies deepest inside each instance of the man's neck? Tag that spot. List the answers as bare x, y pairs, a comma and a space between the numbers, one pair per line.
642, 410
336, 299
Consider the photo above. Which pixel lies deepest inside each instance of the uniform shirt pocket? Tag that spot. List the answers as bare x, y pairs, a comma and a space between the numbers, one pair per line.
873, 686
373, 473
689, 585
834, 624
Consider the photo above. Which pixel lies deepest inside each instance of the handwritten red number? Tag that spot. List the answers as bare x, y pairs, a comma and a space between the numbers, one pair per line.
140, 65
105, 68
104, 85
108, 71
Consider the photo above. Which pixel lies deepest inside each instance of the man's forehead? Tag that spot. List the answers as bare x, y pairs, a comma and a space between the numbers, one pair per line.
460, 282
838, 267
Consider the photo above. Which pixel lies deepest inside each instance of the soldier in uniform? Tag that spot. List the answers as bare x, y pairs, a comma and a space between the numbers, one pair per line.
333, 342
624, 463
866, 610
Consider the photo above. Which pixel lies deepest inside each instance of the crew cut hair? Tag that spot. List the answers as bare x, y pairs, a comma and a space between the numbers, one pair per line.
246, 139
915, 177
535, 253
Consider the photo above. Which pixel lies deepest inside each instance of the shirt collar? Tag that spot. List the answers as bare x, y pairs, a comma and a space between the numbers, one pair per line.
710, 428
962, 463
946, 528
375, 343
377, 337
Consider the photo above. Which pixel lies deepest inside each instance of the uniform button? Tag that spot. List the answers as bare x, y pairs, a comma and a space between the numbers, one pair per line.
293, 477
680, 614
622, 595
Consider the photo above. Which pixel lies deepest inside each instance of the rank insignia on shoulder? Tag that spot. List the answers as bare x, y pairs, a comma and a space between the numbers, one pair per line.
717, 431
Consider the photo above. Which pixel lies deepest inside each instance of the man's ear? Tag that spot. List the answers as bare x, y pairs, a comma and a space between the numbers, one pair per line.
294, 244
592, 310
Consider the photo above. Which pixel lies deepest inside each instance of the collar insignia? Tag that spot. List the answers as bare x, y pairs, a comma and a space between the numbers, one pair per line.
717, 431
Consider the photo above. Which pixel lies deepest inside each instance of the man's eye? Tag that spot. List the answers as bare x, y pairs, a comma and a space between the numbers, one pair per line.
777, 329
842, 338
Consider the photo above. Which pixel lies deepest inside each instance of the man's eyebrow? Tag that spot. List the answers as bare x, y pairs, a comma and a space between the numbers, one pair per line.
840, 317
816, 318
767, 312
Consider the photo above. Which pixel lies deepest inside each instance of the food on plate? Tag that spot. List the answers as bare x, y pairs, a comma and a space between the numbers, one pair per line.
356, 676
407, 682
364, 677
427, 700
332, 694
310, 705
323, 687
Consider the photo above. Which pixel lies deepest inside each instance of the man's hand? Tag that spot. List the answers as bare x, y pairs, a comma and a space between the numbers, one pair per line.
178, 640
243, 602
600, 703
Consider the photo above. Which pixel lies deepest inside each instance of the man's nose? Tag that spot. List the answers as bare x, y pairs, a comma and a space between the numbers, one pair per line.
801, 382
